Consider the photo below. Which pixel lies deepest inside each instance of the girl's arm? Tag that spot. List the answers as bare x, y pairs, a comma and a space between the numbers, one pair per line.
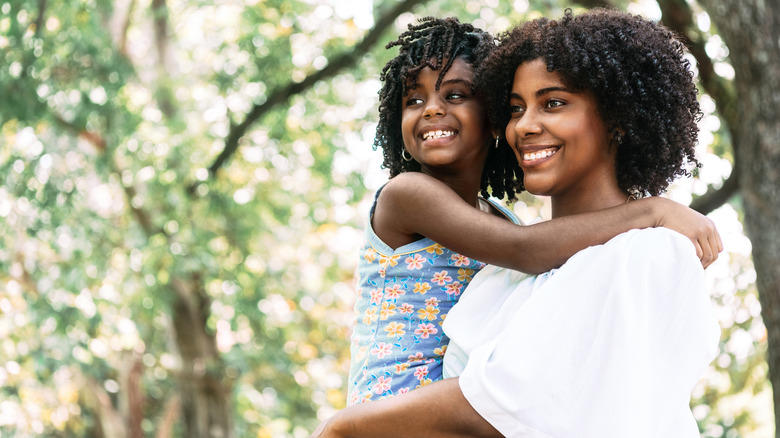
416, 204
437, 410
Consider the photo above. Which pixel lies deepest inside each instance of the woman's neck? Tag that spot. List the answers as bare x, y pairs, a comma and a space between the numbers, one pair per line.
588, 200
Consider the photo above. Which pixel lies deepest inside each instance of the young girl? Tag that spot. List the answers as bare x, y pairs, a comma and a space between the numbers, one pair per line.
430, 232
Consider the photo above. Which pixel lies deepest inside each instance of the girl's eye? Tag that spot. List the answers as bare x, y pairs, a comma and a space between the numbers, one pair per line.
456, 95
413, 101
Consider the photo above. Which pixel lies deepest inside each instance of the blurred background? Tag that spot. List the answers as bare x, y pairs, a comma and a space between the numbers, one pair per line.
186, 185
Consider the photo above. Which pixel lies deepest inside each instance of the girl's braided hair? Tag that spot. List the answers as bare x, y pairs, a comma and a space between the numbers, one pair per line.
637, 70
436, 43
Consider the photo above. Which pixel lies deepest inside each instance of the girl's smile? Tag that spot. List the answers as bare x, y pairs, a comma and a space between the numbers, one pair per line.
445, 129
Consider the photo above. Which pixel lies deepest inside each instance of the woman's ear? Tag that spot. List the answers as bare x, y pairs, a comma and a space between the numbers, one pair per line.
617, 134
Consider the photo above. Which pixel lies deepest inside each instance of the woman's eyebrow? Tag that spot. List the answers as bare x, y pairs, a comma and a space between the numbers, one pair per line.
542, 92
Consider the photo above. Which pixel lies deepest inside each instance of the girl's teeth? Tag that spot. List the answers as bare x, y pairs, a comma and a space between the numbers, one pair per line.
436, 134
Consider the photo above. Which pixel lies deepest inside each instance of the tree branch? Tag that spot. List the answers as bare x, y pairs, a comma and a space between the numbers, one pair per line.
714, 198
109, 420
99, 143
169, 417
132, 373
39, 20
159, 15
124, 29
162, 93
677, 15
590, 4
284, 93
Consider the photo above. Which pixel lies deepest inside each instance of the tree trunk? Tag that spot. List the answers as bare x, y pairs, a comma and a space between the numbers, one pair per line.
205, 393
750, 29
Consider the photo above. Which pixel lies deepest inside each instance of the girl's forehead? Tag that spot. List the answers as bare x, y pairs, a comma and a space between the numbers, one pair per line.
459, 70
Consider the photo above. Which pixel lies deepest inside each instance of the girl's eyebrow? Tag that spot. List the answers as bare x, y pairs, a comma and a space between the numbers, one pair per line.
458, 81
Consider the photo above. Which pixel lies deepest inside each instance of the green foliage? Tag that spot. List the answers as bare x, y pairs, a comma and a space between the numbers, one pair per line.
107, 205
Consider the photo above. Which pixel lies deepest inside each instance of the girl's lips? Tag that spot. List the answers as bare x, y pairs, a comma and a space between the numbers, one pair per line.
438, 133
433, 136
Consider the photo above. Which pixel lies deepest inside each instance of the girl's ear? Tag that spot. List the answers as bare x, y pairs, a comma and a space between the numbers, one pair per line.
497, 137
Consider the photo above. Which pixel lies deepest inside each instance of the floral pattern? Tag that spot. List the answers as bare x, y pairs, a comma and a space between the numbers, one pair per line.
402, 300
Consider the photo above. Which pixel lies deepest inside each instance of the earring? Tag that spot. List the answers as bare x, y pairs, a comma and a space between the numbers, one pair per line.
497, 137
618, 137
633, 194
404, 155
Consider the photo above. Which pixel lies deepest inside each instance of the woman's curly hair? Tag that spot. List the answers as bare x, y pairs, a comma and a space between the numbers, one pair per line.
436, 43
644, 86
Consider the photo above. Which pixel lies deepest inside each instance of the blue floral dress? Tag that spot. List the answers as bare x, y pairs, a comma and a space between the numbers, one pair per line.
403, 297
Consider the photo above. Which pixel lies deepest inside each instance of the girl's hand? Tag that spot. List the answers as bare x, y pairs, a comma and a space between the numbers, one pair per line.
692, 224
320, 432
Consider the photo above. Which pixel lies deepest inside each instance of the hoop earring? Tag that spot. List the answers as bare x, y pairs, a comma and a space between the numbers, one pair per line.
404, 155
497, 137
633, 194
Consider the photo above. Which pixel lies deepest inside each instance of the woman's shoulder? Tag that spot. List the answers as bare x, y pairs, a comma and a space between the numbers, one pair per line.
638, 251
651, 240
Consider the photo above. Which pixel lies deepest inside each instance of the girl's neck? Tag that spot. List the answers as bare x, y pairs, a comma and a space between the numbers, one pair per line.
466, 190
467, 186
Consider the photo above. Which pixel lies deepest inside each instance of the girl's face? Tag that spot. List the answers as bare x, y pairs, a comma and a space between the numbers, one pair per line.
560, 141
445, 130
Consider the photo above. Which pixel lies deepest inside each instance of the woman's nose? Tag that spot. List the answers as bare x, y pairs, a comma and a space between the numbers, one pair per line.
528, 125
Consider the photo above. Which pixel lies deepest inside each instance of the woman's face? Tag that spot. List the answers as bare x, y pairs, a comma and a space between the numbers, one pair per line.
560, 141
445, 129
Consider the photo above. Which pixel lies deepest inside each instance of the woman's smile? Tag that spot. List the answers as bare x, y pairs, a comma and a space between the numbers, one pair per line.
534, 156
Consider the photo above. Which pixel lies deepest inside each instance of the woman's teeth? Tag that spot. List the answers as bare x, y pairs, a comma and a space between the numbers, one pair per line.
528, 156
431, 135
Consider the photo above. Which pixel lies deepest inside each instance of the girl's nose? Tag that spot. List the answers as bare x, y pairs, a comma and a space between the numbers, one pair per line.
433, 108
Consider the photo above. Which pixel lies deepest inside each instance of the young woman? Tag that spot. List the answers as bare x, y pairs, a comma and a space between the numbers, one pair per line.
602, 106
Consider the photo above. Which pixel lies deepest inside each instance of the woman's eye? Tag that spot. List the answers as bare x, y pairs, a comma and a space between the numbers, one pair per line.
516, 110
553, 103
